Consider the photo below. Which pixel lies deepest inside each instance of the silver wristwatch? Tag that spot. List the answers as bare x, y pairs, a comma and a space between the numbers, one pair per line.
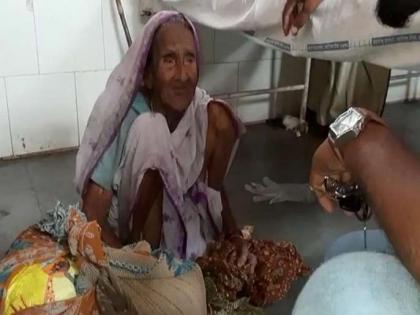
347, 126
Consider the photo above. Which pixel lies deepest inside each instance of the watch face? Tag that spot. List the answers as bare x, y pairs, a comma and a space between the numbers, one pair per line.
347, 126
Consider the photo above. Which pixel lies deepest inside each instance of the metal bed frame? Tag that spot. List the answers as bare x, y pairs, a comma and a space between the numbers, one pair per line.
235, 95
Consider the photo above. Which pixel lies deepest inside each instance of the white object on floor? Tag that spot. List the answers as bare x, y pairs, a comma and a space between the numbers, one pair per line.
363, 283
273, 192
292, 123
339, 30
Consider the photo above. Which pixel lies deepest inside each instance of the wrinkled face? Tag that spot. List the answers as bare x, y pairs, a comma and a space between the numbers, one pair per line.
172, 75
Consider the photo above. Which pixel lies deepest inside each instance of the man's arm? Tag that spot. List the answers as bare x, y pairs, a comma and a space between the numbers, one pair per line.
296, 14
390, 175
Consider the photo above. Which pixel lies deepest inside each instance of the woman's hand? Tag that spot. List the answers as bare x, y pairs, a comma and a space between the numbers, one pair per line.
241, 250
95, 204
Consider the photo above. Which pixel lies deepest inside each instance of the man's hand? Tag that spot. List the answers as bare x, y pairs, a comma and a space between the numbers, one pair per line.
326, 162
296, 14
329, 162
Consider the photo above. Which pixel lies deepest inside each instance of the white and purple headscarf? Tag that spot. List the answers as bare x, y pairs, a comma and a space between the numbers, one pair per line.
113, 104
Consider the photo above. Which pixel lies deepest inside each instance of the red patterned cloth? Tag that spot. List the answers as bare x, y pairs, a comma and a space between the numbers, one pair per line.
266, 277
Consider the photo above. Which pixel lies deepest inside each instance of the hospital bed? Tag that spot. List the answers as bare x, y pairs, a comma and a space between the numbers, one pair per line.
340, 30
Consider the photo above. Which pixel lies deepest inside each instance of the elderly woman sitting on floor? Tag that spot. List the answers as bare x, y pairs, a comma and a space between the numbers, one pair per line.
157, 148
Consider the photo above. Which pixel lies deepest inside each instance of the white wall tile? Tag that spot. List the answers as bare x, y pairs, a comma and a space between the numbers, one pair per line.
206, 36
401, 89
415, 88
89, 86
398, 72
259, 74
17, 38
114, 38
254, 108
42, 112
115, 41
254, 75
69, 35
5, 144
397, 91
219, 78
233, 47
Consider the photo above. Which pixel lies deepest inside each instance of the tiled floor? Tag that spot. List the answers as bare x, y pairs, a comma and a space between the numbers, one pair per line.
29, 187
